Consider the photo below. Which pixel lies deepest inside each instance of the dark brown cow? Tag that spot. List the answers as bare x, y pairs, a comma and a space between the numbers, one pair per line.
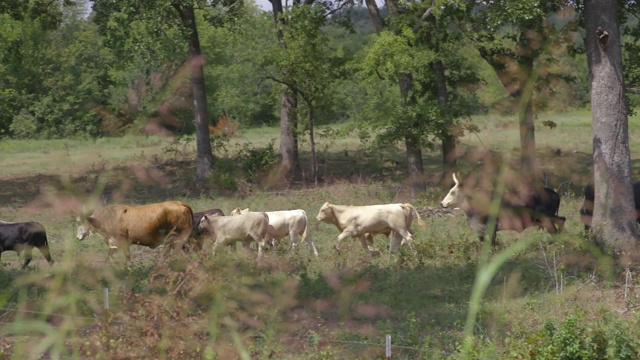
149, 225
537, 209
586, 211
19, 236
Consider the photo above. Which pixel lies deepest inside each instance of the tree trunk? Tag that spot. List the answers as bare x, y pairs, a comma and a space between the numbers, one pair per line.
196, 61
312, 142
412, 142
528, 143
449, 151
289, 158
614, 211
520, 87
414, 160
288, 137
374, 15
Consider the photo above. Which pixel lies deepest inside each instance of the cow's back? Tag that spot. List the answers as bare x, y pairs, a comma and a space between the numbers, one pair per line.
30, 233
281, 223
238, 227
147, 224
374, 218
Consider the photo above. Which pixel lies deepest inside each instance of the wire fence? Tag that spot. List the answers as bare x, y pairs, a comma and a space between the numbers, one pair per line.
388, 345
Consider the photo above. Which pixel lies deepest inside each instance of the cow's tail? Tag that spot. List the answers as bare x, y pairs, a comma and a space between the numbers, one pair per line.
412, 208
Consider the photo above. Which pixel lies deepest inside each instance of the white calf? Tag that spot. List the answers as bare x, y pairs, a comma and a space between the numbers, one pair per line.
227, 230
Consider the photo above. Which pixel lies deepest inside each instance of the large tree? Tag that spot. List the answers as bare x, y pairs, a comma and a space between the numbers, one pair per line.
515, 38
423, 78
614, 208
289, 156
115, 18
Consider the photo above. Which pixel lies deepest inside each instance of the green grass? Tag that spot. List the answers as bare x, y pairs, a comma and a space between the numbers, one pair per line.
558, 294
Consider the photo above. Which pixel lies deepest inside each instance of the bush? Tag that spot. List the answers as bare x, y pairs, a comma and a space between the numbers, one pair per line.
572, 339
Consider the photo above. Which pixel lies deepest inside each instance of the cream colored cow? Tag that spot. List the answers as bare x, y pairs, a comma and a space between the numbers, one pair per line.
292, 223
361, 222
227, 230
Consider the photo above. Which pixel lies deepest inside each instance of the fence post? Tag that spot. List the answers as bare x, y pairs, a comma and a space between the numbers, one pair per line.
388, 347
107, 317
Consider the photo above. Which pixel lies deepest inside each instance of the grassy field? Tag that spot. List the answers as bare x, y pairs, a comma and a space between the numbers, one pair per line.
558, 298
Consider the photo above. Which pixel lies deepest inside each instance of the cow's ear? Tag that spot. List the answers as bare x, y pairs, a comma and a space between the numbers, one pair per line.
94, 222
206, 218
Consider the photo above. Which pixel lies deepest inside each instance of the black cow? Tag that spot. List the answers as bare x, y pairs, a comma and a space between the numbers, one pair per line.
197, 236
586, 211
24, 236
538, 208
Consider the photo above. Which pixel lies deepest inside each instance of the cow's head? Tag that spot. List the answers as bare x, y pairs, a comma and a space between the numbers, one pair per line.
454, 197
326, 213
204, 223
238, 211
86, 227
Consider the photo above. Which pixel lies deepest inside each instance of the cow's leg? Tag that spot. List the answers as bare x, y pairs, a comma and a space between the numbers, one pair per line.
559, 221
407, 238
125, 250
367, 245
215, 247
395, 240
348, 233
261, 241
27, 255
309, 240
110, 253
494, 242
183, 238
546, 223
46, 253
295, 241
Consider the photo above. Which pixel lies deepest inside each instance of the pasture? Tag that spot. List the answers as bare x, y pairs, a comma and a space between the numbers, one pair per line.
557, 298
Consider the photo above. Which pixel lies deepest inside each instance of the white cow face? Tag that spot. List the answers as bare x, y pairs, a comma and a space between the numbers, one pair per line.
83, 229
326, 212
87, 227
454, 196
204, 222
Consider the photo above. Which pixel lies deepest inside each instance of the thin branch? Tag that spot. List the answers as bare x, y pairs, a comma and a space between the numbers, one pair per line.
379, 75
291, 86
343, 5
423, 18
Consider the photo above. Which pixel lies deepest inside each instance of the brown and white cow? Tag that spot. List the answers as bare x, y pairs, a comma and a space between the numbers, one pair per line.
149, 225
292, 223
534, 208
586, 211
227, 230
365, 222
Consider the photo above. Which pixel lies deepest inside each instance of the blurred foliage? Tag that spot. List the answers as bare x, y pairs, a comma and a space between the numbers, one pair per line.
62, 75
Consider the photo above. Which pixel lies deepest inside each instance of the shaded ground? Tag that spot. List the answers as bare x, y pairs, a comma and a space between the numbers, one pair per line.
139, 182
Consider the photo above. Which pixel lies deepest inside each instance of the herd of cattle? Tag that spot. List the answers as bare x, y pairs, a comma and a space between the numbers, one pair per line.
175, 225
